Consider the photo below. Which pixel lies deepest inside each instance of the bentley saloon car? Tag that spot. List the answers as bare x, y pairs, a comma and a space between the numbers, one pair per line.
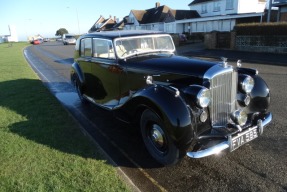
181, 106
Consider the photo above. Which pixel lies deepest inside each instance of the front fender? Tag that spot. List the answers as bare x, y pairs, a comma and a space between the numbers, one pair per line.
260, 96
171, 108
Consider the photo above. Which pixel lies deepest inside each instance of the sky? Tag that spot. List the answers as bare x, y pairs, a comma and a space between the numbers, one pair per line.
45, 17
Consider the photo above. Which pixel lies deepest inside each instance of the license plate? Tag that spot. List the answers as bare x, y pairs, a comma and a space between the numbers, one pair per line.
243, 138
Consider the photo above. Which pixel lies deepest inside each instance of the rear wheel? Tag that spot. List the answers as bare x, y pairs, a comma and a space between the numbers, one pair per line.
157, 140
79, 90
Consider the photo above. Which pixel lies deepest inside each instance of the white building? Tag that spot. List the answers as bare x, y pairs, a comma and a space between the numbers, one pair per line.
203, 16
220, 15
156, 18
207, 8
150, 19
1, 39
13, 37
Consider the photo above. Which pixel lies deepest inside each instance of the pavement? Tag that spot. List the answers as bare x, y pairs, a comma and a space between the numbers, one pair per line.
198, 50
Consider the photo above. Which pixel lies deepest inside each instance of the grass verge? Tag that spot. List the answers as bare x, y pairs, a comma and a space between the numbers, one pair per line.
41, 147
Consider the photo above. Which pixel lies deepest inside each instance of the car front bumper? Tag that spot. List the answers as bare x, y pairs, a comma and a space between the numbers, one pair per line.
230, 140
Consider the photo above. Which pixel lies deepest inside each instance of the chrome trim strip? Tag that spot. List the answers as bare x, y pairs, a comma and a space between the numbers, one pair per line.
225, 144
108, 107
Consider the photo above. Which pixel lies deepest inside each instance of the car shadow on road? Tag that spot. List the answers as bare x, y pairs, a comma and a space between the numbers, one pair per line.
122, 142
47, 123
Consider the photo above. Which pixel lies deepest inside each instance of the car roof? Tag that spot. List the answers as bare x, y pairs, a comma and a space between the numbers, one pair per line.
124, 33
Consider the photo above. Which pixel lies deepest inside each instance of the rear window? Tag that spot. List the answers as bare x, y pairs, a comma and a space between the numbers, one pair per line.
86, 47
70, 37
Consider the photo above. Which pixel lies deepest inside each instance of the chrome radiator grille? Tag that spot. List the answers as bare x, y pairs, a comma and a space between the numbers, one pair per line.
223, 89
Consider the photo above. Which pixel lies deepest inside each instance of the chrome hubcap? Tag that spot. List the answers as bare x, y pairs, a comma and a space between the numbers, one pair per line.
157, 136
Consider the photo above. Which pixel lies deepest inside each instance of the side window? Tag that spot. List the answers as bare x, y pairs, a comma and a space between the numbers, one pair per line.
88, 47
82, 48
163, 43
103, 49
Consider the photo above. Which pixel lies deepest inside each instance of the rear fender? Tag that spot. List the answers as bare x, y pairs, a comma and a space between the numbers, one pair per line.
77, 72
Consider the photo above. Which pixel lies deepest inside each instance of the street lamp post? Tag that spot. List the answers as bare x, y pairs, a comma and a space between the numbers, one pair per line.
77, 20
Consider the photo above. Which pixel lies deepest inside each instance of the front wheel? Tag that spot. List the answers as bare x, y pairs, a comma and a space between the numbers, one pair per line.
157, 140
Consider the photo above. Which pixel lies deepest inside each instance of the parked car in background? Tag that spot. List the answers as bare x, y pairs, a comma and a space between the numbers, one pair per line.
46, 39
182, 106
36, 41
69, 39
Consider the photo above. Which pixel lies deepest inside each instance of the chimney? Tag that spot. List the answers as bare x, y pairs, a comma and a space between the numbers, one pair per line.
157, 4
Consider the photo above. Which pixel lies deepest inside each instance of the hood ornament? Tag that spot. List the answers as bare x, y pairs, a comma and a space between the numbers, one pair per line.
149, 80
224, 62
239, 63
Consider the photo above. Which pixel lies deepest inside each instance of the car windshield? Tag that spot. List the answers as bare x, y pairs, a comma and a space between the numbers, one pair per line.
70, 37
128, 46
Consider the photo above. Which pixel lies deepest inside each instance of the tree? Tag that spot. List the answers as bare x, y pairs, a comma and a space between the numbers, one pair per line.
61, 32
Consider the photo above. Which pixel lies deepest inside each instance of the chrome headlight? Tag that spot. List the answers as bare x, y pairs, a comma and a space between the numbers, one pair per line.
247, 84
203, 97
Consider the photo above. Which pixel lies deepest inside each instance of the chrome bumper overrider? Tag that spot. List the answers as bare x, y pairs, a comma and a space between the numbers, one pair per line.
261, 123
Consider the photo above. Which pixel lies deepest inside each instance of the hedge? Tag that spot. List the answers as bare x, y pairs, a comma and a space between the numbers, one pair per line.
261, 29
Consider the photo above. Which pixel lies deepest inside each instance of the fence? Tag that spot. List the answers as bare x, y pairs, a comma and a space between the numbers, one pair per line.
273, 44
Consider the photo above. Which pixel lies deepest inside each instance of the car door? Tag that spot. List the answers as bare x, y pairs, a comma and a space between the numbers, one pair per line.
106, 74
85, 64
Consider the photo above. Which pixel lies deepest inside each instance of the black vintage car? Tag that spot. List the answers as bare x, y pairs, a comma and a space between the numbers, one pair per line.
183, 106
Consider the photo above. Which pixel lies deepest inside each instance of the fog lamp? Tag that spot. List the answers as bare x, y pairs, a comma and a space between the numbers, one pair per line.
247, 100
203, 116
239, 117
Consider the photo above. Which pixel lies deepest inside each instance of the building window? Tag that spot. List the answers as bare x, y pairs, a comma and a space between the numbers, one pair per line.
168, 28
132, 20
229, 4
216, 6
204, 8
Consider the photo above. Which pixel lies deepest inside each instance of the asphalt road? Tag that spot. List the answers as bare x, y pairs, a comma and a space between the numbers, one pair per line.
260, 165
